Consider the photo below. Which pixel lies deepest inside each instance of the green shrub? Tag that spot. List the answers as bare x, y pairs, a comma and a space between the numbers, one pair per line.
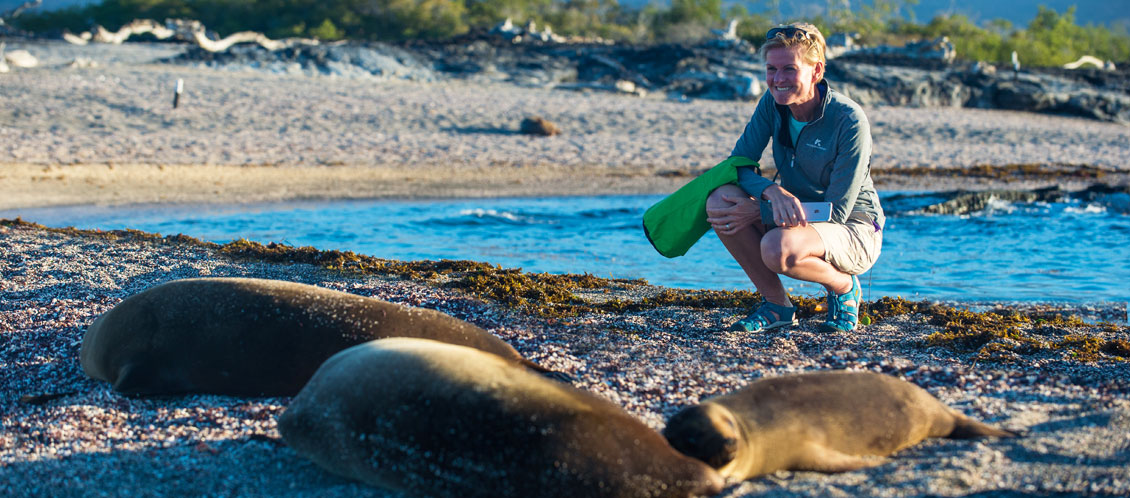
327, 31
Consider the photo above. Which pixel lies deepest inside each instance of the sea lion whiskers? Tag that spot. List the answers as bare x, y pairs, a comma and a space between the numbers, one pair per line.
745, 435
707, 432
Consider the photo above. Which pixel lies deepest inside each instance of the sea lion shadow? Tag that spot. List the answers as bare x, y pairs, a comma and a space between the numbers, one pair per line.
1009, 493
202, 470
480, 130
1087, 420
1021, 451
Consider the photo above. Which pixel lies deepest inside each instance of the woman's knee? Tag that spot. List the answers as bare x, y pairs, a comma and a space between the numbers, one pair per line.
773, 252
716, 198
782, 249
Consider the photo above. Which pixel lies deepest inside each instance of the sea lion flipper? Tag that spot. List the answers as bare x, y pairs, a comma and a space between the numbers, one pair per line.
142, 379
133, 380
819, 458
967, 428
559, 376
547, 373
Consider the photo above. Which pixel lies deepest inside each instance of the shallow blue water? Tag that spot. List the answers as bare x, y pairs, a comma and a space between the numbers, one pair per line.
1039, 252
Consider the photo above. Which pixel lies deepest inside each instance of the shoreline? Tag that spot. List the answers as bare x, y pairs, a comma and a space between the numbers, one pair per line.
29, 186
1093, 312
34, 186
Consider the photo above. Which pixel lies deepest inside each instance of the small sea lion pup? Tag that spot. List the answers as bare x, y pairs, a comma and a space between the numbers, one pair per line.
824, 422
251, 337
438, 420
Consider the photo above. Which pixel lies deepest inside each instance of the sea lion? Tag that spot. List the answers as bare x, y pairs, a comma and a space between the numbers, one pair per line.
824, 422
250, 337
439, 420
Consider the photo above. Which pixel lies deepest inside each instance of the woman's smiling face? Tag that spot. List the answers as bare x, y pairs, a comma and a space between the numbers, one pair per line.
791, 79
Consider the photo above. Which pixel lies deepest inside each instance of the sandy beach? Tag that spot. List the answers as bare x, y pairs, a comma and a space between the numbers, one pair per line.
108, 135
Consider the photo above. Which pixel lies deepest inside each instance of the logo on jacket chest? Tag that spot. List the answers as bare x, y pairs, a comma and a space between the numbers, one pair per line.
818, 144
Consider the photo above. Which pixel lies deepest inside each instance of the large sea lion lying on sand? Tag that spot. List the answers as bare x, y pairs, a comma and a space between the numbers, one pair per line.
824, 422
248, 337
439, 420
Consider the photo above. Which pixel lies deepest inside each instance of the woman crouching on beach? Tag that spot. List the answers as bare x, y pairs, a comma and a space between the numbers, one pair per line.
822, 150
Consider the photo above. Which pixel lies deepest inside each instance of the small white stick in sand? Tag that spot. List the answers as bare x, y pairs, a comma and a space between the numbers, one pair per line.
176, 93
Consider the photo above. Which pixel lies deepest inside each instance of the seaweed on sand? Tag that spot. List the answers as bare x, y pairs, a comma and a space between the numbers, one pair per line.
1010, 172
1007, 336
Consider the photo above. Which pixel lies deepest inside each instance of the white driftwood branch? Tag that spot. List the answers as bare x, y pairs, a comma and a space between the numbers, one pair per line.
1086, 59
246, 37
79, 39
103, 35
137, 27
19, 10
187, 29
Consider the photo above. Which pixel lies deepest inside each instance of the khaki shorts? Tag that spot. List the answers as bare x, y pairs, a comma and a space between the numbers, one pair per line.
851, 248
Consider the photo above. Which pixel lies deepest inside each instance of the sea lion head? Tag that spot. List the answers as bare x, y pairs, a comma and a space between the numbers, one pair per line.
707, 432
123, 347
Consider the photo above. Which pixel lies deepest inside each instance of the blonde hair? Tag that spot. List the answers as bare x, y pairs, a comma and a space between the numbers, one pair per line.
811, 39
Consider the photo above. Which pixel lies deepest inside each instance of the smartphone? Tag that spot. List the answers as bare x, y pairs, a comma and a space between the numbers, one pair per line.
817, 211
813, 212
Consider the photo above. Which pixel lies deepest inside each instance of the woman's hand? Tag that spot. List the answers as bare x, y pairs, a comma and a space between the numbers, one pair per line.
787, 210
742, 213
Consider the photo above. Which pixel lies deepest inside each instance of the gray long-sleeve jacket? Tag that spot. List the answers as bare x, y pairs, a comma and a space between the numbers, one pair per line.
831, 161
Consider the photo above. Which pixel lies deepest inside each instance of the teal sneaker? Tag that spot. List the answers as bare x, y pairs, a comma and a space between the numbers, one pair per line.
843, 309
768, 316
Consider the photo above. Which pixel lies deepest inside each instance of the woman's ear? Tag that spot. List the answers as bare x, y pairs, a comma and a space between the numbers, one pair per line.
818, 72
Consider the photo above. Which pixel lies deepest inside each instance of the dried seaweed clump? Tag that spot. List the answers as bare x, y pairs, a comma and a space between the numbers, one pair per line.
1018, 172
699, 299
533, 292
889, 307
349, 260
113, 235
1006, 336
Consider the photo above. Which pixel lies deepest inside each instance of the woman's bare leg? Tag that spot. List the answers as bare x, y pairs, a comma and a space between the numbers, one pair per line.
799, 253
745, 246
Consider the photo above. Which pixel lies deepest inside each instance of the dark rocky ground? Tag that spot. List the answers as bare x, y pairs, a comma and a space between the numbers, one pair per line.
714, 69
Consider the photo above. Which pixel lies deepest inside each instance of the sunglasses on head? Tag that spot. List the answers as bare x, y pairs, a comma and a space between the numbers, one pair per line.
787, 32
